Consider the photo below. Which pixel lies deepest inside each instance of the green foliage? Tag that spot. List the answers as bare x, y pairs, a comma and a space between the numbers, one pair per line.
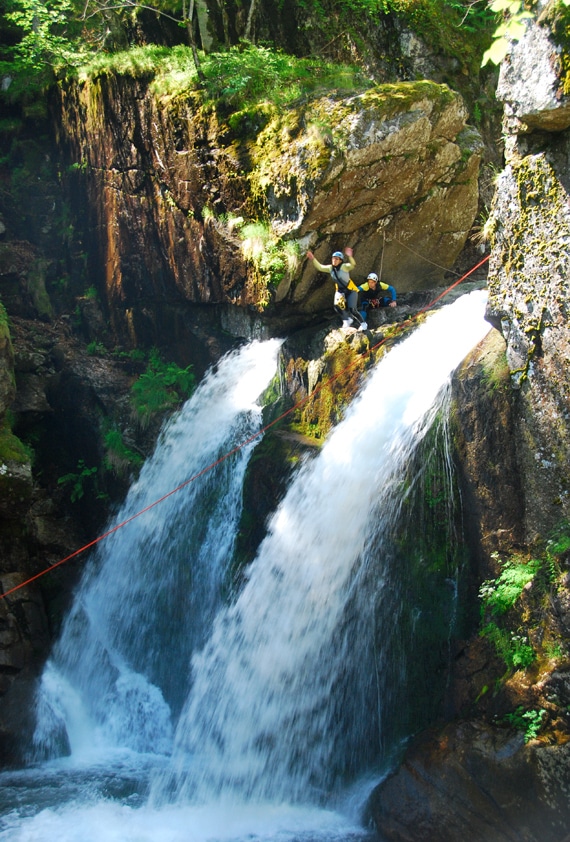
96, 349
49, 31
135, 354
559, 542
273, 258
458, 29
527, 721
77, 480
160, 387
90, 38
237, 79
120, 459
511, 29
151, 60
244, 76
499, 595
514, 649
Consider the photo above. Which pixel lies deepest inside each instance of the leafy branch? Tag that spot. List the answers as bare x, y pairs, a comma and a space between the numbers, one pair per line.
513, 27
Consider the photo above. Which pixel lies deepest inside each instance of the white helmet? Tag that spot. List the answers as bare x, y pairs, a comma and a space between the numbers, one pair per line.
372, 277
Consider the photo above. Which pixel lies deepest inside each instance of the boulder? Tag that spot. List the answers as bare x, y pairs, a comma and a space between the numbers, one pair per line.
477, 783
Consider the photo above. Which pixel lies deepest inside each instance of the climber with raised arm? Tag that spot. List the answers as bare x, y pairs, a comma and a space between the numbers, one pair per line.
346, 291
371, 297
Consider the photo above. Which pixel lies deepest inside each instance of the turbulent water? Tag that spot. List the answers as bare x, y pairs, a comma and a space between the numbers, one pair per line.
191, 719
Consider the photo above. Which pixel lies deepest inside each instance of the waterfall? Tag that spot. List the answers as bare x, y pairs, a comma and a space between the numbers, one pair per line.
287, 694
274, 709
120, 669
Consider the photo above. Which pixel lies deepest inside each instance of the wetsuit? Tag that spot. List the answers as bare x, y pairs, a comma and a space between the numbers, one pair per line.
372, 298
343, 284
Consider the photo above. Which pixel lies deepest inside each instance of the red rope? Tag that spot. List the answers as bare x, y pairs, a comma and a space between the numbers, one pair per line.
205, 470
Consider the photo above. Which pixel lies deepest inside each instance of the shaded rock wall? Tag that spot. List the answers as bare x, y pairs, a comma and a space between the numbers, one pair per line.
481, 785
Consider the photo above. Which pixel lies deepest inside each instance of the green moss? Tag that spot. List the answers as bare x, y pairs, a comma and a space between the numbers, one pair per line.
339, 382
391, 99
557, 17
37, 288
495, 373
11, 448
4, 323
537, 230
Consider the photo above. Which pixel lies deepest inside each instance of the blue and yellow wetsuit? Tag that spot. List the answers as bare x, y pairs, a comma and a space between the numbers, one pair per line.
367, 295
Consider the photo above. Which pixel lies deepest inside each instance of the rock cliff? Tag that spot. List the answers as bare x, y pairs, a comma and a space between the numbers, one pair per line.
466, 779
174, 189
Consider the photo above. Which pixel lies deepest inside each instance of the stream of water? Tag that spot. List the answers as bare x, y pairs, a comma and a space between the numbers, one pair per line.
167, 714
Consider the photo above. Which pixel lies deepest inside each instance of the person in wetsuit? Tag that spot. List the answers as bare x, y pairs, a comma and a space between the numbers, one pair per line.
346, 291
371, 296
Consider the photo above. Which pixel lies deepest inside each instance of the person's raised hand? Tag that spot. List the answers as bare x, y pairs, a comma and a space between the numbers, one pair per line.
310, 255
348, 251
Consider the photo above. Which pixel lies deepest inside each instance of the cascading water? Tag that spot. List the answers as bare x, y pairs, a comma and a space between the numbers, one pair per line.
149, 597
289, 685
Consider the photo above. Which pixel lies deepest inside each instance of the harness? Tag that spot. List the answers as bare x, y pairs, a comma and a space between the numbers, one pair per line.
342, 279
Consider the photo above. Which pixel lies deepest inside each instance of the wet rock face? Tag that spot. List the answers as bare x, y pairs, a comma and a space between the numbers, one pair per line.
379, 171
478, 784
483, 421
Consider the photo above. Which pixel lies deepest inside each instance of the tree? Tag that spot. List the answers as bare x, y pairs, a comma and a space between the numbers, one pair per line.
60, 33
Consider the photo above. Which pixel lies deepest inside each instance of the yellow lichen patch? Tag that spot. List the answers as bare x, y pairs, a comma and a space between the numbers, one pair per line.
388, 100
337, 385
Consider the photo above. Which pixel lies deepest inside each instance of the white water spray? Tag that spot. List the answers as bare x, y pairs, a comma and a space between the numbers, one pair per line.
150, 595
288, 686
268, 712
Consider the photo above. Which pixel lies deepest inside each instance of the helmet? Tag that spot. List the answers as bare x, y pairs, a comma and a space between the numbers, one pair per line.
372, 277
338, 254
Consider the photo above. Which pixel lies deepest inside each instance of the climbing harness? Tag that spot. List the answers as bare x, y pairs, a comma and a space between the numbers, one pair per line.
247, 441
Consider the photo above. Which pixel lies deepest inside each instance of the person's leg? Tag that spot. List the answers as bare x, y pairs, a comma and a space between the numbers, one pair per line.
351, 306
